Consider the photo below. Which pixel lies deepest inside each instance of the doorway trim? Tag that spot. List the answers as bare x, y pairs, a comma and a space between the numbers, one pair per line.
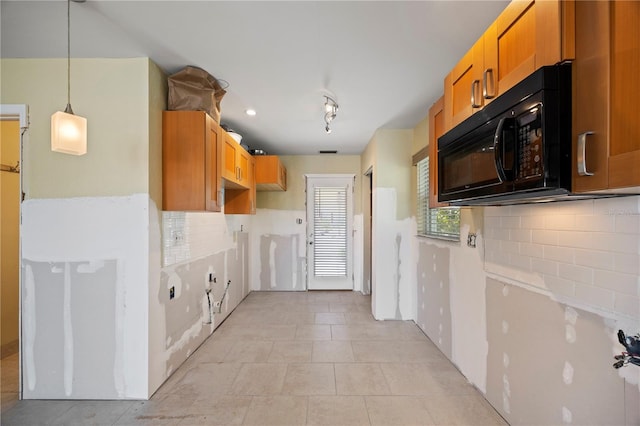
20, 113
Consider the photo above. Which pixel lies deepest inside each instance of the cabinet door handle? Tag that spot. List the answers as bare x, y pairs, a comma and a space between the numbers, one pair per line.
474, 85
485, 85
582, 154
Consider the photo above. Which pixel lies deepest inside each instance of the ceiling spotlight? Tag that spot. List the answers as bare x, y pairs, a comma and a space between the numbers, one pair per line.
250, 112
330, 110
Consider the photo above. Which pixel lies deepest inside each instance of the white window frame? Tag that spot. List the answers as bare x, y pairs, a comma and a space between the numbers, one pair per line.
439, 222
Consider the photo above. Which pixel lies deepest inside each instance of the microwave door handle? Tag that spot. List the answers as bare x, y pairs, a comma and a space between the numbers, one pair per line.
497, 150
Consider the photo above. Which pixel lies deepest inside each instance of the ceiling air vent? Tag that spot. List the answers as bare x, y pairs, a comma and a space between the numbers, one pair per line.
333, 151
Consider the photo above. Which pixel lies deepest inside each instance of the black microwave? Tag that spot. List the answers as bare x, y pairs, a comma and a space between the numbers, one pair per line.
517, 149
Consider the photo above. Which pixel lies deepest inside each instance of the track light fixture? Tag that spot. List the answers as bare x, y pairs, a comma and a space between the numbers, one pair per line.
330, 110
69, 131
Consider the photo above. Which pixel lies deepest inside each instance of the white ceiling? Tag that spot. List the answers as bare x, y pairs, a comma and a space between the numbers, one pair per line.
384, 62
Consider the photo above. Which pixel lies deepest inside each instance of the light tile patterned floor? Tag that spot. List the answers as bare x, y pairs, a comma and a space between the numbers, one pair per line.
314, 358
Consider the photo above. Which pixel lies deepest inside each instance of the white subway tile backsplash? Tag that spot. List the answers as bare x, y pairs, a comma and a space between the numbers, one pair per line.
532, 250
559, 254
532, 222
511, 222
599, 259
627, 263
586, 250
521, 235
491, 222
521, 262
577, 239
618, 282
616, 206
557, 221
576, 273
628, 224
560, 286
617, 243
595, 296
545, 267
545, 237
595, 223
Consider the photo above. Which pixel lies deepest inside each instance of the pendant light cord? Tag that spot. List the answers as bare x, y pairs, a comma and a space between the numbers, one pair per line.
68, 109
69, 52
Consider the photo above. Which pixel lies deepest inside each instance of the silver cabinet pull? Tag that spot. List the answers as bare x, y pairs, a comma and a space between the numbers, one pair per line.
582, 154
474, 85
485, 85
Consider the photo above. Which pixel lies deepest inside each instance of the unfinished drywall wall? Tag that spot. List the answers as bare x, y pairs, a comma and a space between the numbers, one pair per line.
85, 274
393, 266
9, 235
550, 363
434, 308
279, 228
537, 335
392, 275
202, 253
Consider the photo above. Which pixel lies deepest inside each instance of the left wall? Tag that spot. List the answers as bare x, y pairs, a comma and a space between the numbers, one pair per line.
97, 319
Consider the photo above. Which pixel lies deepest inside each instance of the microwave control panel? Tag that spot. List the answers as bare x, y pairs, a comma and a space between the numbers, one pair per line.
529, 144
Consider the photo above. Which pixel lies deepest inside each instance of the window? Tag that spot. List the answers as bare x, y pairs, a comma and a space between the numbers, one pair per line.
330, 231
441, 222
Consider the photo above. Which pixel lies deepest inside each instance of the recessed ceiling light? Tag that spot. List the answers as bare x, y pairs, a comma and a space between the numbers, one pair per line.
251, 112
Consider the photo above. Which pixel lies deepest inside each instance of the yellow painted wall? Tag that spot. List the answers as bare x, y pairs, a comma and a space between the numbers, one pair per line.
299, 165
393, 166
9, 231
113, 94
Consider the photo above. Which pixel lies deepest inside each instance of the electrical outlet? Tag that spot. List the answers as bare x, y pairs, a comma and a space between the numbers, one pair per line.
172, 293
471, 240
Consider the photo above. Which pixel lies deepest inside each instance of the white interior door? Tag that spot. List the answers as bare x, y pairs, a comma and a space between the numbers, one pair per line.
330, 232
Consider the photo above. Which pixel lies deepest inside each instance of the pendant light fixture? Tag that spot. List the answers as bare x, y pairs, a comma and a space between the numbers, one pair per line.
69, 131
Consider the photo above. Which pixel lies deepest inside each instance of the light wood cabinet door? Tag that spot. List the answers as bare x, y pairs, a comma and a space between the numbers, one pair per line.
243, 201
436, 129
235, 164
606, 87
463, 87
213, 169
271, 175
230, 158
190, 161
527, 36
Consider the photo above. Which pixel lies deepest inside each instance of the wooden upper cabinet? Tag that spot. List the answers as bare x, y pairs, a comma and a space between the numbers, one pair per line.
271, 175
242, 201
462, 87
524, 37
527, 37
235, 164
190, 161
606, 87
436, 129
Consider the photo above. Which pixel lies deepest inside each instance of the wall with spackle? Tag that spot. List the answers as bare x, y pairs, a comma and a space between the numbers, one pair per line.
279, 228
388, 156
99, 258
530, 315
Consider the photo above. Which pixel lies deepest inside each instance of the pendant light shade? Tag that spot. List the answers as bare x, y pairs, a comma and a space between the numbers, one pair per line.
68, 131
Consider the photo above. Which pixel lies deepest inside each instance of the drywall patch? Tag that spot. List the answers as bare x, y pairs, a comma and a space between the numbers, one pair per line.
280, 263
567, 416
567, 373
435, 312
76, 330
542, 358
